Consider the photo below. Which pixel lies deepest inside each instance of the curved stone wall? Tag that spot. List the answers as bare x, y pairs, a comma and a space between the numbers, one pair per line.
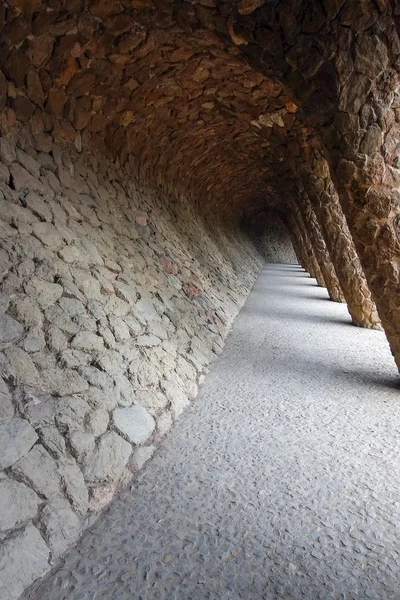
272, 239
112, 307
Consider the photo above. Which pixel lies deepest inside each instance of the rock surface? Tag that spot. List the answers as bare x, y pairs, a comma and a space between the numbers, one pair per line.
17, 437
134, 423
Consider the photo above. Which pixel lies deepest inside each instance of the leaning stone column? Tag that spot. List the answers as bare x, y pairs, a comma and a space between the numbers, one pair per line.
312, 267
340, 245
362, 145
320, 250
297, 242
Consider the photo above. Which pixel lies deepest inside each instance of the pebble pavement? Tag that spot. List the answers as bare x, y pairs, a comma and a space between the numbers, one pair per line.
281, 481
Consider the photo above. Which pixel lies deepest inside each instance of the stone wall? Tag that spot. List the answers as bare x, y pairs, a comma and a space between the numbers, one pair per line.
114, 300
272, 239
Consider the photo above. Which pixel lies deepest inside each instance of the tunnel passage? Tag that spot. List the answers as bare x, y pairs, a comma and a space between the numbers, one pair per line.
138, 139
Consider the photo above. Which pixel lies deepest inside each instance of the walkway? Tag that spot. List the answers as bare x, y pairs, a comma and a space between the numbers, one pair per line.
282, 481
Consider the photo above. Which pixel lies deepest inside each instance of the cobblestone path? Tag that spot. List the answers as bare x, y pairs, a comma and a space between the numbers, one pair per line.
281, 481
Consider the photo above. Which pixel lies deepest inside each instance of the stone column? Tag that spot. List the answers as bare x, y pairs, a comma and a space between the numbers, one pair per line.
340, 245
296, 220
297, 242
320, 249
363, 153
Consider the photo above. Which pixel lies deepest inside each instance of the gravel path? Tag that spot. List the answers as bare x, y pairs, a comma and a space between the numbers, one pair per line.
280, 482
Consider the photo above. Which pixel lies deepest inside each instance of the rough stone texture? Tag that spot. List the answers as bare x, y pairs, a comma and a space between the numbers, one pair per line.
23, 559
18, 504
276, 484
320, 250
17, 437
272, 239
134, 423
136, 140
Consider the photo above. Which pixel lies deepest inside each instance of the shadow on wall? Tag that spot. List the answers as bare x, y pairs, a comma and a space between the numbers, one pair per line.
271, 238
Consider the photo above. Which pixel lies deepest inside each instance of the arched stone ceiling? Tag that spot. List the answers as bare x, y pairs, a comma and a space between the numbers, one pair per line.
148, 79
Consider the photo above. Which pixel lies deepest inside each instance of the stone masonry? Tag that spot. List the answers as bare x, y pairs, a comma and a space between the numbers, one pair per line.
111, 311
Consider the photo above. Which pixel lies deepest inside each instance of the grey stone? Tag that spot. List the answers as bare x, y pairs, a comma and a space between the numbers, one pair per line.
23, 558
125, 292
56, 340
52, 440
110, 362
6, 405
45, 293
6, 231
96, 377
134, 423
18, 504
61, 319
7, 151
134, 326
116, 307
63, 382
148, 341
164, 423
99, 398
97, 421
61, 525
23, 180
87, 341
4, 302
48, 235
70, 413
38, 206
176, 395
82, 445
72, 306
154, 400
71, 290
28, 162
119, 328
34, 340
27, 311
74, 485
147, 310
39, 470
17, 437
35, 405
10, 331
90, 288
109, 459
4, 174
26, 268
140, 456
14, 213
70, 254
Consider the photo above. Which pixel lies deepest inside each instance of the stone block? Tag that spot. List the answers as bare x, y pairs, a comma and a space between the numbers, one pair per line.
18, 504
6, 404
10, 331
48, 235
97, 421
134, 423
87, 341
74, 485
39, 471
17, 437
63, 382
109, 459
23, 558
176, 395
61, 525
140, 456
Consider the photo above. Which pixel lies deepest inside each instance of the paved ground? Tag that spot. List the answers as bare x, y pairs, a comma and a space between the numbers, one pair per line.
280, 482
